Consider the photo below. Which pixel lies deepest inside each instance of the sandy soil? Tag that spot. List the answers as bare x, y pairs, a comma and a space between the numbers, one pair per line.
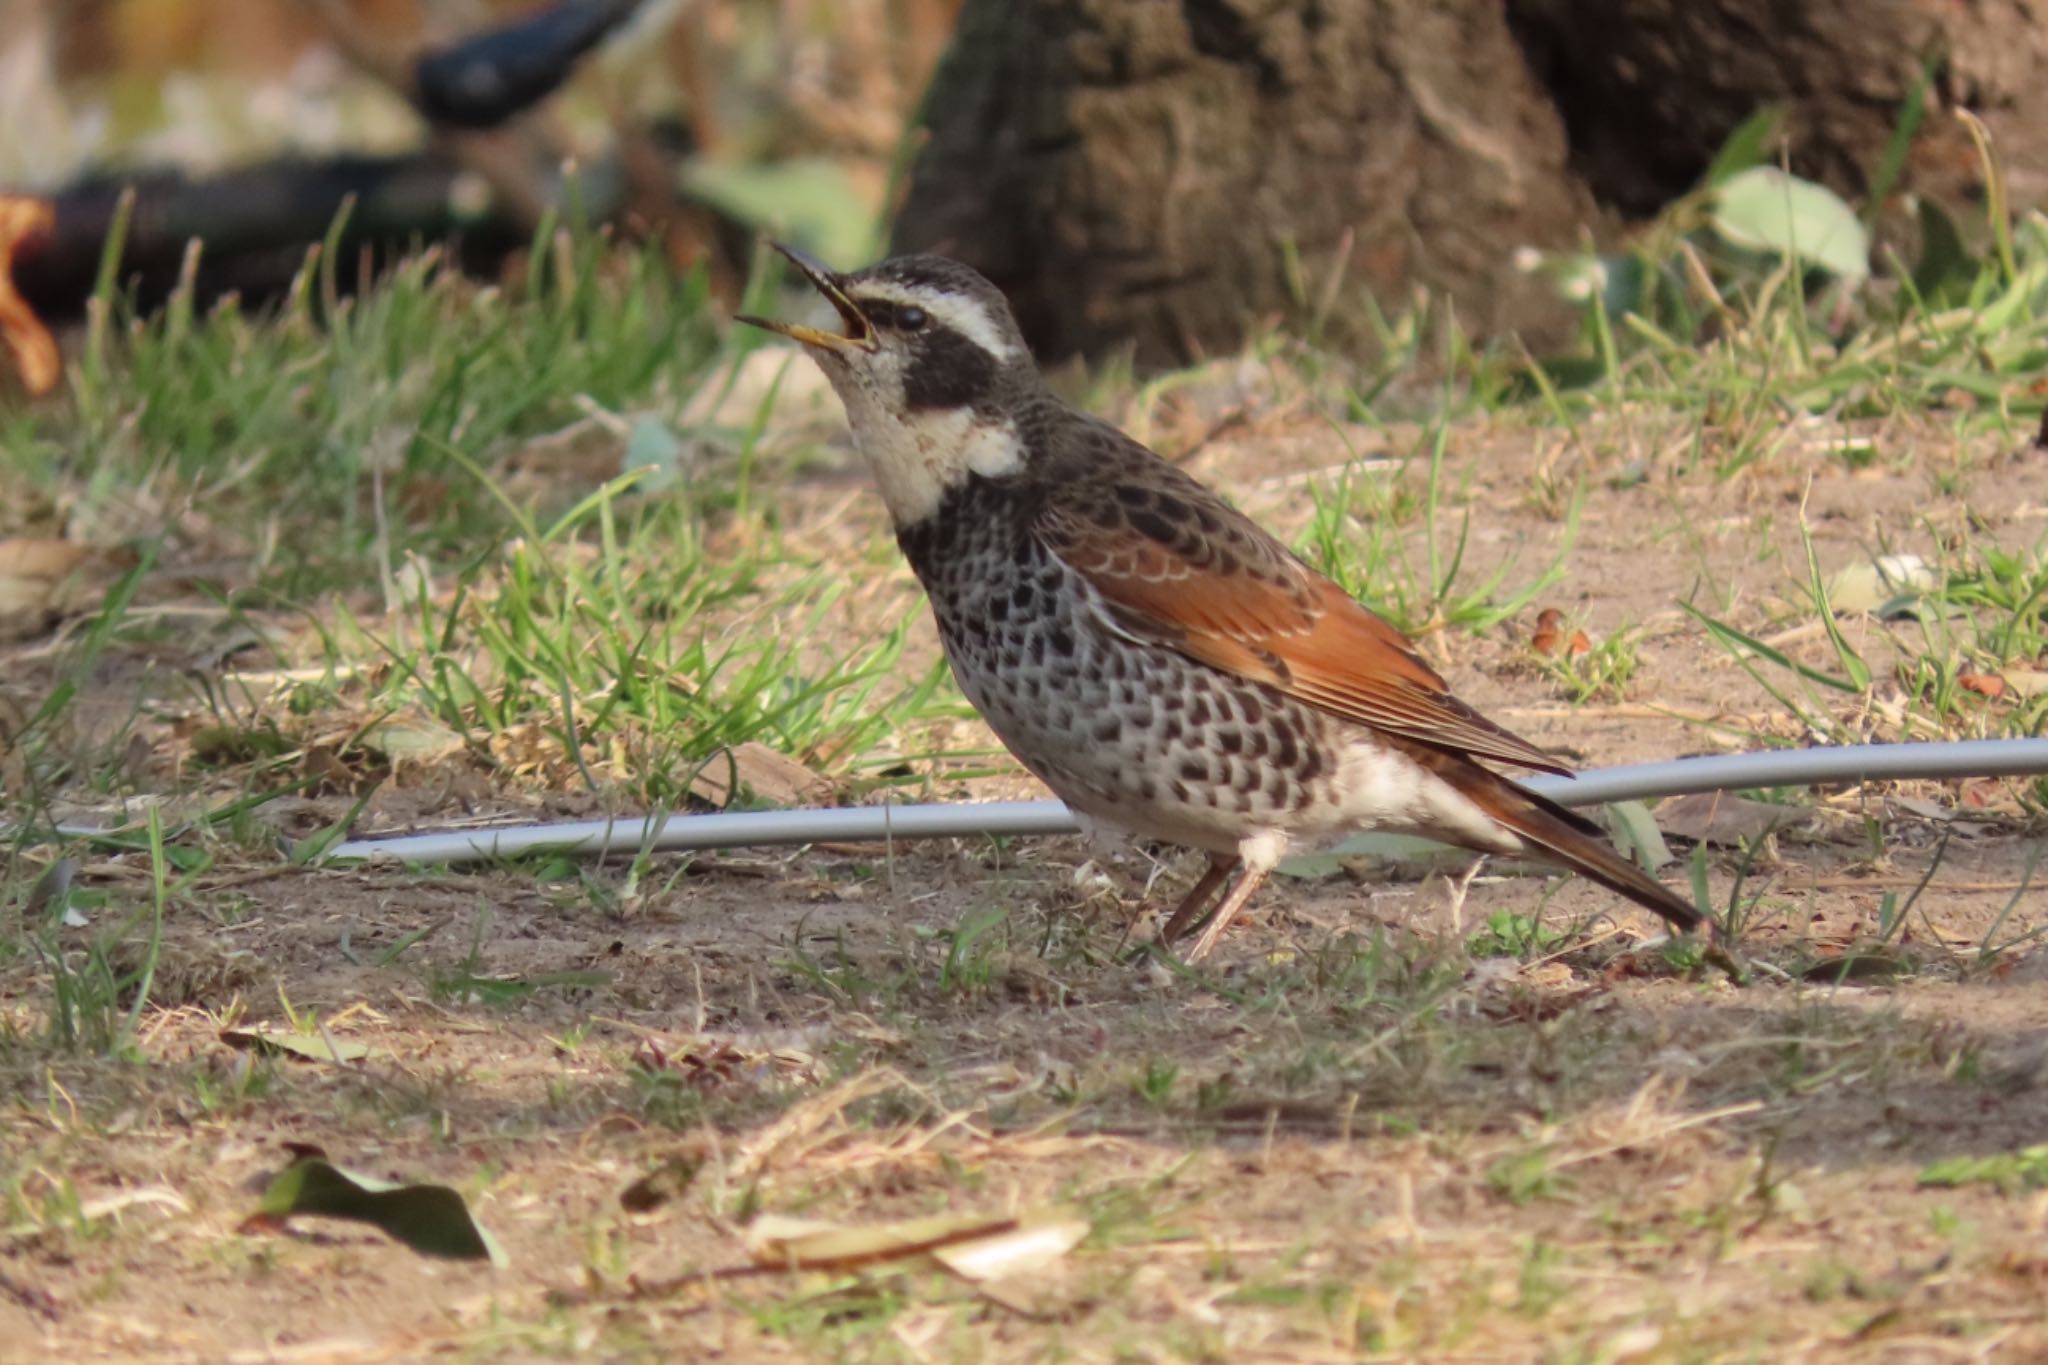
1358, 1132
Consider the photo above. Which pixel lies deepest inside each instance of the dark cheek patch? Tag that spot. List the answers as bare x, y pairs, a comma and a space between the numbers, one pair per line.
946, 370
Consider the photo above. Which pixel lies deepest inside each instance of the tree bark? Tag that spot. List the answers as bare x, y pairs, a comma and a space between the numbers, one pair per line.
1650, 89
1140, 172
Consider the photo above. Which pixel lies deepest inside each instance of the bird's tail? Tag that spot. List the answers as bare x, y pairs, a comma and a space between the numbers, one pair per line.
1570, 839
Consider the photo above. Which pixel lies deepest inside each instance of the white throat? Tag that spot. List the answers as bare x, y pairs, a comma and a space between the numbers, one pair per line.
916, 460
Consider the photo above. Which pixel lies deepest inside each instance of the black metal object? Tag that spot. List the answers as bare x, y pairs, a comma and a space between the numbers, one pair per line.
257, 221
488, 77
256, 224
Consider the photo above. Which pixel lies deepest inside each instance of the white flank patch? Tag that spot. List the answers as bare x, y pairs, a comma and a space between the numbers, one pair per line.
1382, 789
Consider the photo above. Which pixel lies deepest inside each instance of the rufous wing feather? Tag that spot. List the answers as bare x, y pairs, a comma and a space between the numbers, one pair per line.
1176, 566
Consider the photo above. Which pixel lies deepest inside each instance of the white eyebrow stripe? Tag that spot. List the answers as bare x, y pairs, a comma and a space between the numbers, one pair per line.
955, 311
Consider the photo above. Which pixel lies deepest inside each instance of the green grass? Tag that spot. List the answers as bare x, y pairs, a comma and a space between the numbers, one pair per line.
344, 464
341, 424
1356, 535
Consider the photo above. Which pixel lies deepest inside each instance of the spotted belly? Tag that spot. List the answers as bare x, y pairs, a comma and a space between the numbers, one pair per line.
1137, 736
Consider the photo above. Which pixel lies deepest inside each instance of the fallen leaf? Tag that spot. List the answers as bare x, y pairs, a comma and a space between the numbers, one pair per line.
1641, 838
808, 1244
708, 1064
323, 1047
431, 1219
325, 772
36, 358
654, 447
120, 1201
1036, 1242
418, 739
42, 579
2024, 682
1888, 587
1983, 684
1549, 639
975, 1248
52, 890
758, 772
1726, 819
32, 567
1981, 793
1766, 209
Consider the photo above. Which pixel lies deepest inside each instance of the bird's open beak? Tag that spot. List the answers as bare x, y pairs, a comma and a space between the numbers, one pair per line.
859, 333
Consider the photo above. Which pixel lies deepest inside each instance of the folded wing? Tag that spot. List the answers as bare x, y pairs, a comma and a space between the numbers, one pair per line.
1178, 567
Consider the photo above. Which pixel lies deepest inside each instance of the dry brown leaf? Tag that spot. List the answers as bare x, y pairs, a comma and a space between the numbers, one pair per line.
763, 773
1723, 818
41, 579
1983, 684
1549, 638
36, 358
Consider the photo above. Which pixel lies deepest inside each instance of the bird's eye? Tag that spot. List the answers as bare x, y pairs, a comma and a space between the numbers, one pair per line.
909, 318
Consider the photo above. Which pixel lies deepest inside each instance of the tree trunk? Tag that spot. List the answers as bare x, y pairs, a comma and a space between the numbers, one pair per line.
1140, 170
1651, 88
1146, 172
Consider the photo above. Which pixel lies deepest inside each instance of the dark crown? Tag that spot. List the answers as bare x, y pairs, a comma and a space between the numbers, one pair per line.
940, 275
951, 361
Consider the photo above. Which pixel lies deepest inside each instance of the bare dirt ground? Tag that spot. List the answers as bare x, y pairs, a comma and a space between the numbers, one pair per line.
1360, 1131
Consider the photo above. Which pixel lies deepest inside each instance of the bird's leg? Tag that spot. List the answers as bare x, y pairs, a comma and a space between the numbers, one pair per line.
1191, 906
1253, 877
1459, 888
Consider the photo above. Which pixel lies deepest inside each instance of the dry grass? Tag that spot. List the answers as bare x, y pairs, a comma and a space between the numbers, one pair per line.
445, 555
1361, 1135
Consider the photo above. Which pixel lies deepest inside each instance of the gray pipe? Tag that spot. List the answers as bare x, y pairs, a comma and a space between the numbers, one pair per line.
868, 824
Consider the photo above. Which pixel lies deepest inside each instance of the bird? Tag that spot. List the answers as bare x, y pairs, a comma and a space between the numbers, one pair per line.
1165, 665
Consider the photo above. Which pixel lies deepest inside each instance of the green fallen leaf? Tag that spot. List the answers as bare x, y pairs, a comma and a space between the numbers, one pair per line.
1764, 209
431, 1219
1888, 587
321, 1047
653, 446
2024, 1169
1637, 832
419, 738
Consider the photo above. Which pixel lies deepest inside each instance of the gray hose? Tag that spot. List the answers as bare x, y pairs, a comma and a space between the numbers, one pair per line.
866, 824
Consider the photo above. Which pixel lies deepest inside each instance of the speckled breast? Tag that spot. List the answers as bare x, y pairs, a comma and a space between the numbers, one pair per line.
1127, 732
